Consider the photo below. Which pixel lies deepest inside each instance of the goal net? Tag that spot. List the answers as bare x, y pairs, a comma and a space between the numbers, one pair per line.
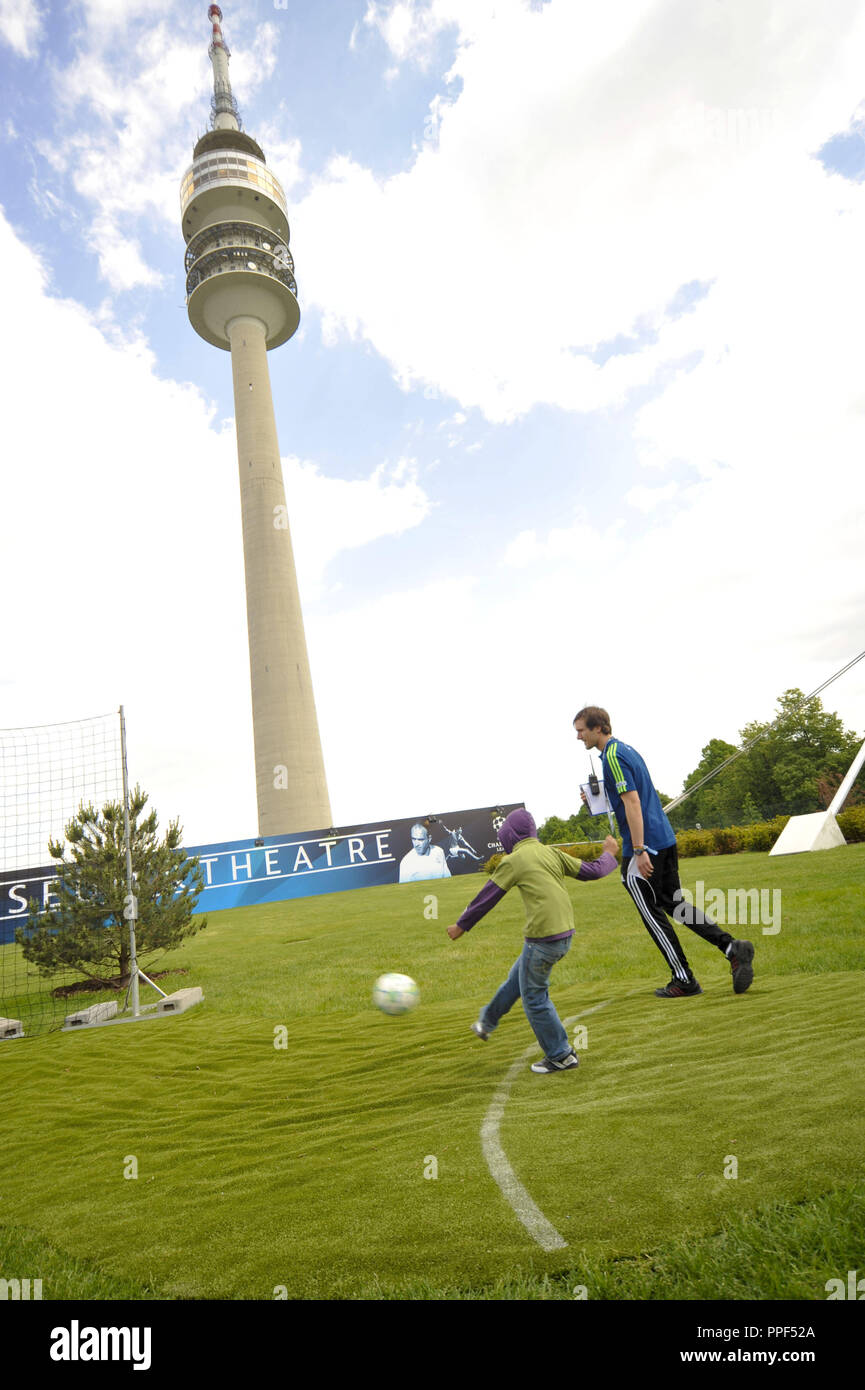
46, 774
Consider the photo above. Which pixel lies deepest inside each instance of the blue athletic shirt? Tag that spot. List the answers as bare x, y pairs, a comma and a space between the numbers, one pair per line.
625, 771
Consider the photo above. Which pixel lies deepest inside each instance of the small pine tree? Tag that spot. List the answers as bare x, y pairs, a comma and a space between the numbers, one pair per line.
87, 928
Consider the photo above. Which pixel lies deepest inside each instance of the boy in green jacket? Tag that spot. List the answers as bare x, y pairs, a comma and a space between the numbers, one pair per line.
539, 872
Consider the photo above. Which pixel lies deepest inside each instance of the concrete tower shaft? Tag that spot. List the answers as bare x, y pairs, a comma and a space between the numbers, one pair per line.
242, 297
289, 769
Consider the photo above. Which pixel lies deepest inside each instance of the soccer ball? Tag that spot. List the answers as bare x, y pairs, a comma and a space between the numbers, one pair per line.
395, 994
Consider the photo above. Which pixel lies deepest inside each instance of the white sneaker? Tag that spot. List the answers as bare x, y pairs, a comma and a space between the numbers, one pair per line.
479, 1030
564, 1064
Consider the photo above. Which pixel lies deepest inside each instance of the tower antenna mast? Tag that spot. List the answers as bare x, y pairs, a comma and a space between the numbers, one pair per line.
223, 107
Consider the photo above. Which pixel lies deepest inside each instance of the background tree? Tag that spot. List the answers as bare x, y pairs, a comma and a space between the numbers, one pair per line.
86, 928
805, 748
704, 805
807, 744
750, 811
556, 831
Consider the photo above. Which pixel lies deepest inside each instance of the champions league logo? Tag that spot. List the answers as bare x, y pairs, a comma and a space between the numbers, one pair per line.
499, 817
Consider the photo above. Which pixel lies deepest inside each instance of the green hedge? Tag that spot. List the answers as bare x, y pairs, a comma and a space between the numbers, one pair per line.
759, 837
730, 839
852, 824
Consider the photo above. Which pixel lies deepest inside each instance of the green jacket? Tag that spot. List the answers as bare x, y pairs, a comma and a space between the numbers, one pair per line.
539, 871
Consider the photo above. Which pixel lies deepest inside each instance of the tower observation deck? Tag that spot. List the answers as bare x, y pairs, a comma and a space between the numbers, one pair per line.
241, 295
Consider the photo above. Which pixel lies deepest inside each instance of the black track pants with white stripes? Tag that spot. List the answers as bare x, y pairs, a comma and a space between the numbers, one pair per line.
659, 895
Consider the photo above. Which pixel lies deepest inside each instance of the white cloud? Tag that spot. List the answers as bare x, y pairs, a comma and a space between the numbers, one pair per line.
409, 29
104, 17
405, 689
332, 515
641, 147
120, 258
580, 543
283, 156
647, 499
21, 23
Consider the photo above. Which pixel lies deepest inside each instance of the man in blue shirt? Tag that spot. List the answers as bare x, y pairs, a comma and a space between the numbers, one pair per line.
650, 861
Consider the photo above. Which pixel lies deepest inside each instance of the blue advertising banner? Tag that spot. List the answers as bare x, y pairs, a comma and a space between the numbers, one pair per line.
17, 887
242, 873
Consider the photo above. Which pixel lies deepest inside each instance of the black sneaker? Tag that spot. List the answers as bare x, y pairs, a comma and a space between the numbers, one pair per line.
741, 953
563, 1064
678, 989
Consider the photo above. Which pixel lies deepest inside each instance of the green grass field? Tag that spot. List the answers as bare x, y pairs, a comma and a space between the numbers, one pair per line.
306, 1168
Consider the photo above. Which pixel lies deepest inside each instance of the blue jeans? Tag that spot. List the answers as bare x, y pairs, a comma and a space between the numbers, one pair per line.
529, 980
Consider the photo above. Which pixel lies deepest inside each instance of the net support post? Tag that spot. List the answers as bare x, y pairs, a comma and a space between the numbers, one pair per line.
130, 911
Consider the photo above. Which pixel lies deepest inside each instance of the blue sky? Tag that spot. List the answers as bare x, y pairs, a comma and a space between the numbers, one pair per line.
575, 413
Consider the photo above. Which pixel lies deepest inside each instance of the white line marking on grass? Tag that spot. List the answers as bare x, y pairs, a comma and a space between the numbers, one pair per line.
525, 1209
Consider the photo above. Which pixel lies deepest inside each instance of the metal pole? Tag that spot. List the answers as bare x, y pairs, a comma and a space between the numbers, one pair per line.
130, 911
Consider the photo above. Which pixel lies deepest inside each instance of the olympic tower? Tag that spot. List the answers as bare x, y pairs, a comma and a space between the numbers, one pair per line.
241, 296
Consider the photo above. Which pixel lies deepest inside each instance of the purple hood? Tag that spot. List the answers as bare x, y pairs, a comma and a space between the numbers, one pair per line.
518, 826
